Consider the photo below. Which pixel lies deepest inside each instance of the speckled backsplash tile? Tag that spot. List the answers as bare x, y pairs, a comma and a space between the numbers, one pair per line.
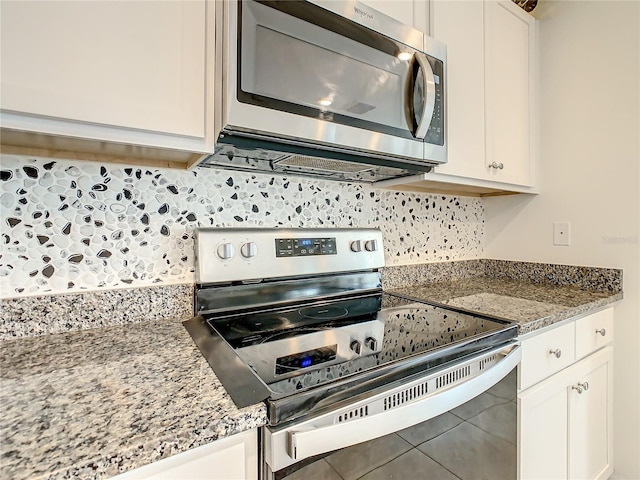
71, 226
47, 314
586, 278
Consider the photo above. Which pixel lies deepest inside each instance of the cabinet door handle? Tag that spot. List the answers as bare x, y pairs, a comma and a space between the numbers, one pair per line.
498, 166
601, 331
581, 387
557, 352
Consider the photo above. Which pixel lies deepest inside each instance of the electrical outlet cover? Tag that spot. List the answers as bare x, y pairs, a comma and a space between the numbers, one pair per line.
562, 233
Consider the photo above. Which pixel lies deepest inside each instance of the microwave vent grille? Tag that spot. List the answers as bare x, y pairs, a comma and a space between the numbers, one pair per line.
323, 164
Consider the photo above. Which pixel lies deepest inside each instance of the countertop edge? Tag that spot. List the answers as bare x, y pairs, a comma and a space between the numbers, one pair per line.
585, 309
154, 451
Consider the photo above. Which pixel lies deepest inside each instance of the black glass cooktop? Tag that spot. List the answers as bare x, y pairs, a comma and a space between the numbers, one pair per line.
299, 348
259, 327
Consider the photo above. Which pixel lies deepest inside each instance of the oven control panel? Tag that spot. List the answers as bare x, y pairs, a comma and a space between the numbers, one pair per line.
301, 247
248, 254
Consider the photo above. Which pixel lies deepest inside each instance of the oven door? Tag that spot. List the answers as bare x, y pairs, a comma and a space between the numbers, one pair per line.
296, 70
413, 401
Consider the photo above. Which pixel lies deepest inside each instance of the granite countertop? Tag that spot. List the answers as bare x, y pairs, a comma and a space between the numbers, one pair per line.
95, 403
98, 402
532, 305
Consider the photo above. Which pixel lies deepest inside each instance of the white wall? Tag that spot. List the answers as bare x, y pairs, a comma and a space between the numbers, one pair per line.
589, 175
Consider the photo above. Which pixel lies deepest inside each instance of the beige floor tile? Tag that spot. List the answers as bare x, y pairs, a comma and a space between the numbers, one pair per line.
318, 470
476, 405
355, 461
473, 454
500, 420
424, 431
412, 465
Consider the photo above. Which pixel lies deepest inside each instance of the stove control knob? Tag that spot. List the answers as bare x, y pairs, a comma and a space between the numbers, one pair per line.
225, 251
371, 245
356, 246
371, 343
356, 347
249, 250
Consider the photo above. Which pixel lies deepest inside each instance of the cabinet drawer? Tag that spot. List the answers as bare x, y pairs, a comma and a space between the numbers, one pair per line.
594, 332
546, 354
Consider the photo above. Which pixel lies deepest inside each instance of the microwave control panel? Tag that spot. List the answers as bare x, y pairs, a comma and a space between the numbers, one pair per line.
435, 134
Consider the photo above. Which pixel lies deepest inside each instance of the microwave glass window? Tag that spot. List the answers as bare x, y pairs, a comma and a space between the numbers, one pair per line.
297, 71
299, 66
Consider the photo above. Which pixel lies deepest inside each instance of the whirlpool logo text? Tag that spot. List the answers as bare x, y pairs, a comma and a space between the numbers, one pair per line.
363, 13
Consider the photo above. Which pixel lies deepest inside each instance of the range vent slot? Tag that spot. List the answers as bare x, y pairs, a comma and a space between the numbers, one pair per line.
353, 414
404, 396
323, 164
452, 377
487, 361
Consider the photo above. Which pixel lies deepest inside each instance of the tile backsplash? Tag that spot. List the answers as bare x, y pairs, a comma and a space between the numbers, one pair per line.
73, 226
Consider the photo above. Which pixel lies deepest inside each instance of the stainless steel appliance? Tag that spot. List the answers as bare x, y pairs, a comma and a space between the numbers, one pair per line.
326, 88
298, 319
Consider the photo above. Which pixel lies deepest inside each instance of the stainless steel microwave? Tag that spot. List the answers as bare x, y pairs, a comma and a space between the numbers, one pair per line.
330, 88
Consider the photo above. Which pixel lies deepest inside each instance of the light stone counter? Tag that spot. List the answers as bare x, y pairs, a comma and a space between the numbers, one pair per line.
532, 305
98, 402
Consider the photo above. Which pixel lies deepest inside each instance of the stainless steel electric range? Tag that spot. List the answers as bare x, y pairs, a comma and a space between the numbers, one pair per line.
298, 319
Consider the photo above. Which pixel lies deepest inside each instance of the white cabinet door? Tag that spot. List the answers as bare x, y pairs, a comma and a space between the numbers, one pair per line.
590, 418
410, 12
509, 42
459, 25
108, 70
490, 112
565, 423
542, 431
230, 458
401, 10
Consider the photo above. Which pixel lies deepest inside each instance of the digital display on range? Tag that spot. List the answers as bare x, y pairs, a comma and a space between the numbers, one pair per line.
294, 362
302, 247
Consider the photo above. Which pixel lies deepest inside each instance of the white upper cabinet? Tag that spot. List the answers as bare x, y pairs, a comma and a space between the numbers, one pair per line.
509, 43
490, 82
409, 12
459, 25
127, 72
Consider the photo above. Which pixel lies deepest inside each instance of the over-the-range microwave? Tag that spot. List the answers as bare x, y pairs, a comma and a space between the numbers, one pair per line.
328, 88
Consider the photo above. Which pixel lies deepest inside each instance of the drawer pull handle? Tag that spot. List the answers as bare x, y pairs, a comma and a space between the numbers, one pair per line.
581, 387
557, 352
497, 166
601, 331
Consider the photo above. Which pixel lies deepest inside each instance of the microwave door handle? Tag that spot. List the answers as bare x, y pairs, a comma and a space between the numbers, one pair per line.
429, 100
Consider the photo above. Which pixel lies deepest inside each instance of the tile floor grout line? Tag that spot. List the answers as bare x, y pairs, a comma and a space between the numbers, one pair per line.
382, 465
438, 435
493, 434
481, 411
428, 456
331, 467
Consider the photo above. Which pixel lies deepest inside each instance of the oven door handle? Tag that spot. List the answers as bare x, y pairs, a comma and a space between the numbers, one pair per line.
314, 441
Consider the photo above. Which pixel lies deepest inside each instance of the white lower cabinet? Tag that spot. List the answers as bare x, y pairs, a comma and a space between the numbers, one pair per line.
565, 420
230, 458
